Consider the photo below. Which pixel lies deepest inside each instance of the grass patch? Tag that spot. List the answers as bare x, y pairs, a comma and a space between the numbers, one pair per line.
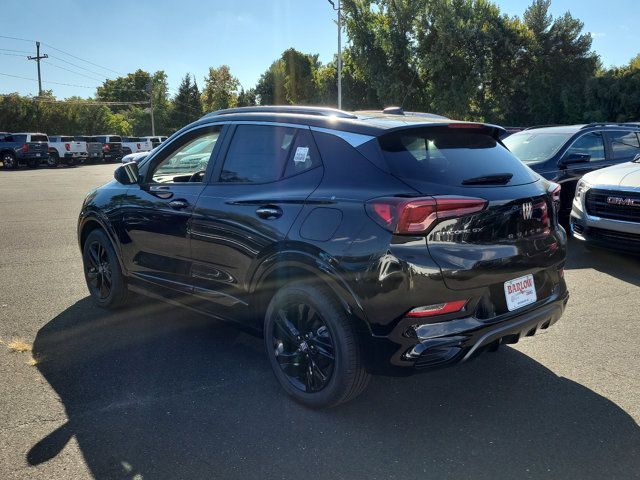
19, 346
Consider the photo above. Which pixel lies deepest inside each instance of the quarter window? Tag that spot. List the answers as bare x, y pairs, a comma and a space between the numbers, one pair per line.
264, 153
590, 144
624, 144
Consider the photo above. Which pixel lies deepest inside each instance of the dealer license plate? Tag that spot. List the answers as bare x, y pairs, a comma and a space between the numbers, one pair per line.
520, 292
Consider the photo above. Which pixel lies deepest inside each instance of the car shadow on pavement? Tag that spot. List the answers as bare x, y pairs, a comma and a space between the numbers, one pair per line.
160, 392
623, 266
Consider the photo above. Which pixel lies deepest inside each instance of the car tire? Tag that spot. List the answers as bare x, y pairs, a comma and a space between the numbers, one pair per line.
53, 160
72, 162
313, 347
105, 280
9, 161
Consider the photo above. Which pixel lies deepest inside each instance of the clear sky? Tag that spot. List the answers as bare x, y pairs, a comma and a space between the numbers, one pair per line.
180, 36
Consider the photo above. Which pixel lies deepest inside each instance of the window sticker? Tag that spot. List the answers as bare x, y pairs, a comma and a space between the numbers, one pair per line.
301, 155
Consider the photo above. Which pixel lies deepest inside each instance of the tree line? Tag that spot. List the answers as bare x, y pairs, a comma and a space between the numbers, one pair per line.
460, 58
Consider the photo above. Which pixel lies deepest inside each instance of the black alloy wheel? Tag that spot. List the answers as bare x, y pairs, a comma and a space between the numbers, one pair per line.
303, 347
98, 270
106, 283
312, 346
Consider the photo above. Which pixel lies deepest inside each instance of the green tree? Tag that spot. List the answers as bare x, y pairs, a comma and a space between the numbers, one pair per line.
220, 89
247, 98
270, 87
187, 105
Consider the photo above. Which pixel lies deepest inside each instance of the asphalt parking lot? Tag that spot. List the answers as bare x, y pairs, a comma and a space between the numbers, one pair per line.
158, 392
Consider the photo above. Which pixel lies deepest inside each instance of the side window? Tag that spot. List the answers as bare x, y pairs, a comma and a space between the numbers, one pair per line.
257, 154
265, 153
188, 162
590, 144
624, 144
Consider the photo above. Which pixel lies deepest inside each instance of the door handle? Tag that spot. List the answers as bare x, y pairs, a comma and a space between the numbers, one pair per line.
269, 212
178, 204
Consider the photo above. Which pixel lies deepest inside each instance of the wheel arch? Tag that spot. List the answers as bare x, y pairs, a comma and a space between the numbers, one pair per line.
90, 221
285, 267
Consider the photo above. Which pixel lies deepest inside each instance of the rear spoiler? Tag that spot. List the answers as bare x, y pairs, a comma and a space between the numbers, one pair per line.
494, 131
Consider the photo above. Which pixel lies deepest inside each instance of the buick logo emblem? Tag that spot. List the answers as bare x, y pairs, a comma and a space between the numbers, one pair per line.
629, 202
527, 210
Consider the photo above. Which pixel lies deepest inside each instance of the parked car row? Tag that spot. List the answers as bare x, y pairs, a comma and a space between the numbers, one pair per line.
598, 167
34, 149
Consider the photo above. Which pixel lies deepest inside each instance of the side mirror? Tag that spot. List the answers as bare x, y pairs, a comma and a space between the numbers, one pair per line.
636, 159
127, 174
574, 158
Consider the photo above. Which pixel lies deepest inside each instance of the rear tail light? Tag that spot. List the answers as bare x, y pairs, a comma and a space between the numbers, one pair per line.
106, 148
437, 309
67, 147
138, 146
25, 148
404, 216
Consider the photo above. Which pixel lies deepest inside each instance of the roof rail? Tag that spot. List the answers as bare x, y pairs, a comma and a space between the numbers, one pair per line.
616, 124
393, 111
296, 109
540, 126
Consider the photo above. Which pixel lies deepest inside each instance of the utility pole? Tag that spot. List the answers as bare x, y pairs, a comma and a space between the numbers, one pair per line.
37, 58
150, 90
339, 10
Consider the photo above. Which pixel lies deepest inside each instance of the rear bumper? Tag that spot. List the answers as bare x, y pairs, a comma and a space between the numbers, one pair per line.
423, 347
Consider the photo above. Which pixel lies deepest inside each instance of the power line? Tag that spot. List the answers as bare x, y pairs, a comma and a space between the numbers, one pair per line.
11, 50
78, 66
16, 38
12, 54
81, 102
82, 59
53, 83
73, 71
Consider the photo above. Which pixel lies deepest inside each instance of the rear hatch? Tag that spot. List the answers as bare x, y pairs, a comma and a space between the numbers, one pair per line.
509, 232
115, 144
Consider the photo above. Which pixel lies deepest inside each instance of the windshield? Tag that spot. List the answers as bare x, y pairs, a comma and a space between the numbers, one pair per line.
531, 147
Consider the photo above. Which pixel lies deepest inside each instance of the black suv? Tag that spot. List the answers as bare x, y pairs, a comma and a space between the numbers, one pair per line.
563, 154
355, 244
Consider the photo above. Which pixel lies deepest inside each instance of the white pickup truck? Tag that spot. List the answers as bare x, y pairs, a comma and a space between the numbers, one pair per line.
66, 150
135, 145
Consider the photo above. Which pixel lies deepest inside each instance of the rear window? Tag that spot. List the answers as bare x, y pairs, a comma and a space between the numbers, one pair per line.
536, 147
451, 158
115, 139
39, 138
66, 139
100, 139
19, 138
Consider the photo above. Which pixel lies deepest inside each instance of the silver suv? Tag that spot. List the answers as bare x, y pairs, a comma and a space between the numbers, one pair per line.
606, 207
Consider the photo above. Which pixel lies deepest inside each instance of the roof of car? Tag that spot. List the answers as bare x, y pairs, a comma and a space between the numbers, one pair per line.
571, 129
368, 122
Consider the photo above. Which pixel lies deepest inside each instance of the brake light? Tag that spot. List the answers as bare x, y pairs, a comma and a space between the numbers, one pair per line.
106, 148
437, 309
67, 147
465, 125
25, 148
405, 216
138, 146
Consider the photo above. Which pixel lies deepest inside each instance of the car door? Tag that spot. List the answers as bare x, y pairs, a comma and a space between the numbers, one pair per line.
247, 209
623, 145
590, 143
157, 211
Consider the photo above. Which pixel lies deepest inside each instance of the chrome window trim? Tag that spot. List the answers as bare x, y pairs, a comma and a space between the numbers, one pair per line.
353, 139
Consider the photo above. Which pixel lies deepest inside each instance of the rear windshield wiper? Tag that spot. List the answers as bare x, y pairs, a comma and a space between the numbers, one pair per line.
496, 179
